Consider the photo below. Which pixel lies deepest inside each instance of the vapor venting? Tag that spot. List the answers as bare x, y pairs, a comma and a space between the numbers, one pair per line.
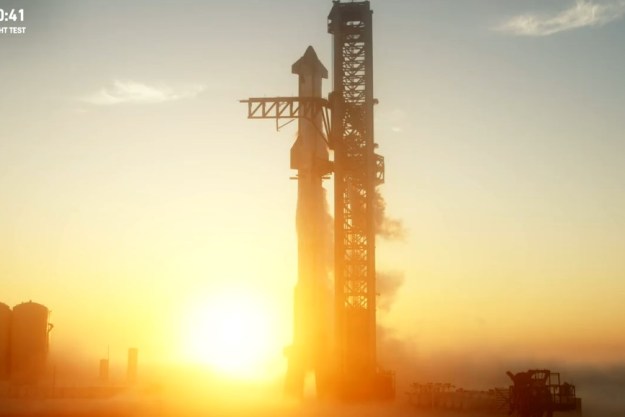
386, 227
315, 231
327, 232
388, 284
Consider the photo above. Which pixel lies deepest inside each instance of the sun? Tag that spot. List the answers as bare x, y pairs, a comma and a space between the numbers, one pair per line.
232, 333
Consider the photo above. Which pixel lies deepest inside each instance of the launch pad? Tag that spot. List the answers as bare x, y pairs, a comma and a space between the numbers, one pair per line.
341, 349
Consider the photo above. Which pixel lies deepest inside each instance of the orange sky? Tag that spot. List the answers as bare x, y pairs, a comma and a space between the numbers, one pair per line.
137, 197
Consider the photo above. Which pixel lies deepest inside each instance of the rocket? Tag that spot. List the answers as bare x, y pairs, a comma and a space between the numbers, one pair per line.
312, 307
309, 152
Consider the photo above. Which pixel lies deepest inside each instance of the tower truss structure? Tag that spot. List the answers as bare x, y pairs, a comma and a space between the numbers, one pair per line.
357, 172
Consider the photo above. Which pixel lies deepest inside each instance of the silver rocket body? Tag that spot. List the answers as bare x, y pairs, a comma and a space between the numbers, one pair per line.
312, 326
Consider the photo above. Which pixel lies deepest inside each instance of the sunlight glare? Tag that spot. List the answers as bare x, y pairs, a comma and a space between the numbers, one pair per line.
232, 333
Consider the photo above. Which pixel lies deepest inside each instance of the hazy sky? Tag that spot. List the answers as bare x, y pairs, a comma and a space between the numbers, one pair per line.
135, 192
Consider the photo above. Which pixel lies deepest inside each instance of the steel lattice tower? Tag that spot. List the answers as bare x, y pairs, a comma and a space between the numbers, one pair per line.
357, 171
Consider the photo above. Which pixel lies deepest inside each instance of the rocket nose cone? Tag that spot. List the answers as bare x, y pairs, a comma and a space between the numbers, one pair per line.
309, 62
310, 53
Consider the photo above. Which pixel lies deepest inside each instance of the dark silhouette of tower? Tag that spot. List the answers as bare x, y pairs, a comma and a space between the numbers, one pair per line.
357, 172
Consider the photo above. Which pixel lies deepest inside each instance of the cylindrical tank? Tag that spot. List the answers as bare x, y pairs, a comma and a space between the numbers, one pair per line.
133, 354
29, 342
5, 333
104, 370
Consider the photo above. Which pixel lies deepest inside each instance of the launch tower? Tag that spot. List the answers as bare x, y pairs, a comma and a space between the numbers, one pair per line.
357, 171
346, 122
